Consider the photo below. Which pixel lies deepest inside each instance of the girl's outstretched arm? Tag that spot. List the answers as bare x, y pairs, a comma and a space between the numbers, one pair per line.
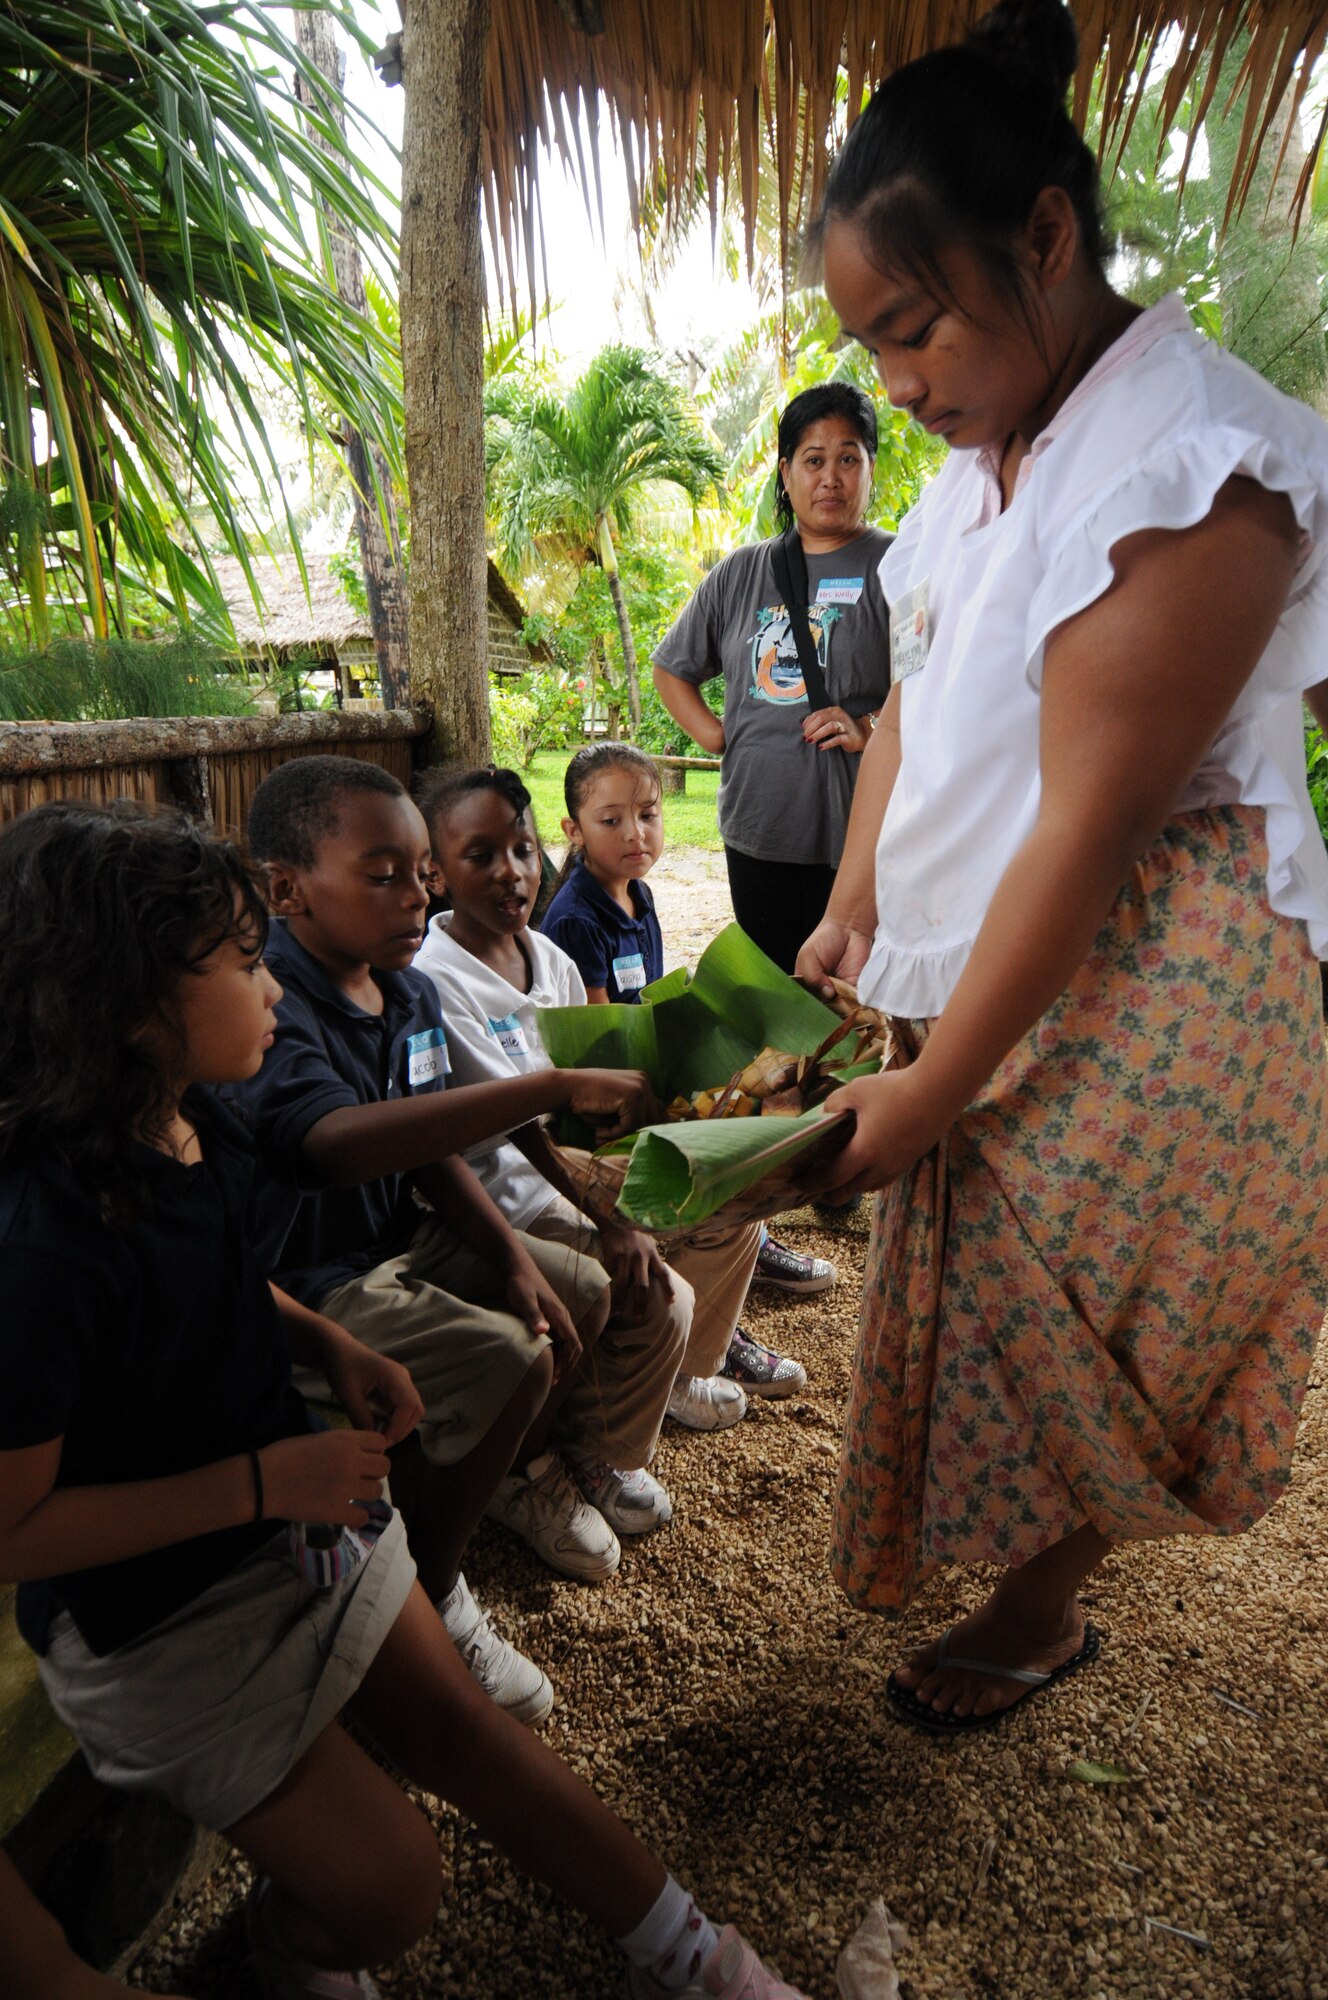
47, 1530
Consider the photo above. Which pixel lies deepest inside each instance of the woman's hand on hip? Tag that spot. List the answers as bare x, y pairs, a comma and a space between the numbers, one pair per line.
833, 951
836, 729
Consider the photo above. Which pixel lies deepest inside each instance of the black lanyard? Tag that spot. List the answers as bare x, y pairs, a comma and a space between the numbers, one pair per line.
790, 566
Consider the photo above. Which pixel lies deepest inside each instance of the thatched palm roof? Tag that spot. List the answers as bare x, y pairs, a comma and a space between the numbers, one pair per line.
321, 621
689, 83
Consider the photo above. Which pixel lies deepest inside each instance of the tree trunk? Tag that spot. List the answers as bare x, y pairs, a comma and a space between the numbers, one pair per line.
375, 508
442, 352
609, 558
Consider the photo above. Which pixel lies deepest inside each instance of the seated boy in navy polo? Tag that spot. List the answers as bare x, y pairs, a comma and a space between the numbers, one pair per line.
379, 1225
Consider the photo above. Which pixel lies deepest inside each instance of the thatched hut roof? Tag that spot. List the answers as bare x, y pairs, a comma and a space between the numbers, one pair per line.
690, 83
320, 620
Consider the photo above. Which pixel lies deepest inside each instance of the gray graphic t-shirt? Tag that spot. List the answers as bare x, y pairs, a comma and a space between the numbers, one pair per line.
781, 799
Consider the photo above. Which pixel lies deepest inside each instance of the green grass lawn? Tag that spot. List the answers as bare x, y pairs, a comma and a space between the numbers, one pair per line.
689, 821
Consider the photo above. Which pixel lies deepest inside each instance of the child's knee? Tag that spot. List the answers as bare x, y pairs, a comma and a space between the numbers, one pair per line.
596, 1316
397, 1897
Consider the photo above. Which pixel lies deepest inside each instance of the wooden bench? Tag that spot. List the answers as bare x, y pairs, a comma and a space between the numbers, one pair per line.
673, 770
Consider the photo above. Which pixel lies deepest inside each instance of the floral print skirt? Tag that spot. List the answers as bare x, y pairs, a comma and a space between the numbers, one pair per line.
1097, 1300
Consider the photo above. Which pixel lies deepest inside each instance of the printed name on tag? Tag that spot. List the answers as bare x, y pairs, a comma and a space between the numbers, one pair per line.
630, 972
510, 1035
427, 1057
839, 590
910, 633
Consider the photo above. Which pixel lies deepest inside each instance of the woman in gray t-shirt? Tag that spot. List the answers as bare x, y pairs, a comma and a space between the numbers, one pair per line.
789, 770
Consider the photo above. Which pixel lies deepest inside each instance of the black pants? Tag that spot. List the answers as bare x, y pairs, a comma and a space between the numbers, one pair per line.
778, 903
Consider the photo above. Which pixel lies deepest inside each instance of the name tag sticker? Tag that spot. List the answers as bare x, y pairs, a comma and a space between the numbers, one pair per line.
910, 633
839, 590
426, 1057
510, 1035
629, 972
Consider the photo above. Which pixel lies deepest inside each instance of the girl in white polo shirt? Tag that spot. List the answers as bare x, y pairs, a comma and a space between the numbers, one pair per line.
1083, 871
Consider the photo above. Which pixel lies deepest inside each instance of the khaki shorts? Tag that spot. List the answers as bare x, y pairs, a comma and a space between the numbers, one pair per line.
440, 1311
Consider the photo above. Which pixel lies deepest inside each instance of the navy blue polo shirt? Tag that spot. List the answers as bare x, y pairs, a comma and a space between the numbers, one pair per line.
152, 1347
610, 949
329, 1054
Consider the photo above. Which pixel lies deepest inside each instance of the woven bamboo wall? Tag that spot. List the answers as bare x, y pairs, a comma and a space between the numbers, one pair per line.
234, 778
207, 767
146, 781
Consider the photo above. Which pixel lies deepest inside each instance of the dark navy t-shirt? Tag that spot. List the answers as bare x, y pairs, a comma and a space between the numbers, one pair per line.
151, 1347
328, 1053
610, 949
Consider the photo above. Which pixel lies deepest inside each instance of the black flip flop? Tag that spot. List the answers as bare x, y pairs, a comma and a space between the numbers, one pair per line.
922, 1715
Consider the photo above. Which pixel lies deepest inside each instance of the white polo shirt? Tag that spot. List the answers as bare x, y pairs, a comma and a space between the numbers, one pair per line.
493, 1032
1146, 440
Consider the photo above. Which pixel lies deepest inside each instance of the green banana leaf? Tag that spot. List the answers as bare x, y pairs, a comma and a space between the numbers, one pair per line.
690, 1035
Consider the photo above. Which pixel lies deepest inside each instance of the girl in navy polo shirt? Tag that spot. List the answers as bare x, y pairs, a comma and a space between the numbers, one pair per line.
602, 914
156, 1465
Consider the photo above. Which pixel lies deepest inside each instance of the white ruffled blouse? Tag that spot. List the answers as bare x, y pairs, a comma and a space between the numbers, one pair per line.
1146, 440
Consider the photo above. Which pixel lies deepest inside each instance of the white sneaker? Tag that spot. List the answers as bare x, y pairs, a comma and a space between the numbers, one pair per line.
706, 1402
543, 1506
732, 1972
635, 1503
506, 1675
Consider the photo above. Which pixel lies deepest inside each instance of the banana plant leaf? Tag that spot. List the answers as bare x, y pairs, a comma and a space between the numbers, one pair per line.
690, 1035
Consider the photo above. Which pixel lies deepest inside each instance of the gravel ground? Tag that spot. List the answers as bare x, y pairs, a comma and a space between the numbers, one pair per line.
721, 1694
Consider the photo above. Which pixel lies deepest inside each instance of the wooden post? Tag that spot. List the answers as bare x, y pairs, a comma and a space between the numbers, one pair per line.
442, 355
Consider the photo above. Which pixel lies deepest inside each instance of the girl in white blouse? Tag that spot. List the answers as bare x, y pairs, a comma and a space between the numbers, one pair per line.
1083, 866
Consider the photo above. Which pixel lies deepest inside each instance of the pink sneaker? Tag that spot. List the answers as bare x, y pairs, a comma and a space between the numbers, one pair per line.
732, 1972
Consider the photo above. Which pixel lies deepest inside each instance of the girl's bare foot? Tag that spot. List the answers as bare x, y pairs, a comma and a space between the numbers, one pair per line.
998, 1632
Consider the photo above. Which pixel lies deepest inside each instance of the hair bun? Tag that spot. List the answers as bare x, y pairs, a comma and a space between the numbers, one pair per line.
1037, 35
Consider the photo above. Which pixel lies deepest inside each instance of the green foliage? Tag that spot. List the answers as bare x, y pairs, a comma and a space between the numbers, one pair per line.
689, 817
512, 718
1316, 763
541, 710
156, 193
564, 467
88, 680
660, 734
656, 581
1255, 284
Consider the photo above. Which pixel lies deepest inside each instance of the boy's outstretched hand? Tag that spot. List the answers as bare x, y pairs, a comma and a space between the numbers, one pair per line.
614, 1101
536, 1302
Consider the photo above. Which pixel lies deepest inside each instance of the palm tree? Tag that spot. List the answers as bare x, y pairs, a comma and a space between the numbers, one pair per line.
567, 472
157, 194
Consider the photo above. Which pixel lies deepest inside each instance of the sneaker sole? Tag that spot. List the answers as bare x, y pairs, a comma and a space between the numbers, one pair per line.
639, 1524
587, 1570
729, 1415
536, 1708
798, 1288
776, 1392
